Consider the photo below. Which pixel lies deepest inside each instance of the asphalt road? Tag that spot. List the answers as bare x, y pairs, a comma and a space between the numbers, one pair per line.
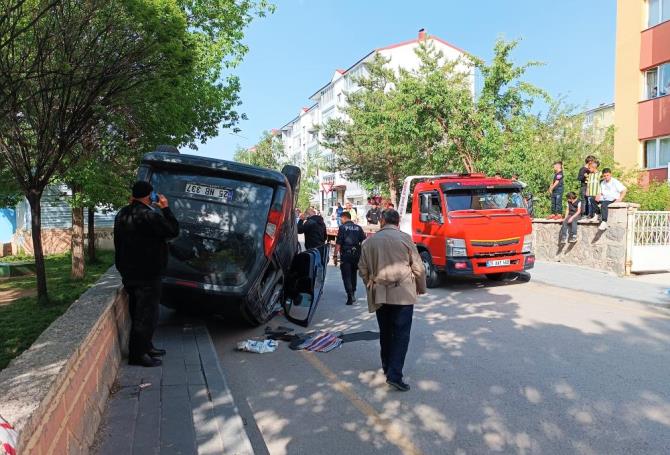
514, 368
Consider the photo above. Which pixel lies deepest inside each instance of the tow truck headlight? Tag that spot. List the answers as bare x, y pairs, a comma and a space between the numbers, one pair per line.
527, 244
456, 248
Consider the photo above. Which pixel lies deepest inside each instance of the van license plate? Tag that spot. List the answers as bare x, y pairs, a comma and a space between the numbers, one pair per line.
223, 194
498, 263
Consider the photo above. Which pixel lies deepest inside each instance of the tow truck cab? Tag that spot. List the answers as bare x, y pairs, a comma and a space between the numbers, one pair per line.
467, 224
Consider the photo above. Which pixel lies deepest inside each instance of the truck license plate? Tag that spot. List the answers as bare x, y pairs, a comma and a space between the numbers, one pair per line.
498, 263
223, 194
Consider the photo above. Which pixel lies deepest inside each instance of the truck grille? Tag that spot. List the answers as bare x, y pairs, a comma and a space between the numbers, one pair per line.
494, 255
494, 243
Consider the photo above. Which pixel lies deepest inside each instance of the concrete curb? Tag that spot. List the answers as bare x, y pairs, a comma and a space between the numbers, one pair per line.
54, 393
223, 410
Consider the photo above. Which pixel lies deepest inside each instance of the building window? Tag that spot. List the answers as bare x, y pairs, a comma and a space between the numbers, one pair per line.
658, 11
657, 81
327, 96
657, 152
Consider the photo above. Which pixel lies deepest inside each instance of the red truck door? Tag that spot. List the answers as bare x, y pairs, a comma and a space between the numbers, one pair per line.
427, 223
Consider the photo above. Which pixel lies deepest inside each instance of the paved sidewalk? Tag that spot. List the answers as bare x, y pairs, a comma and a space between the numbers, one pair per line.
655, 291
183, 407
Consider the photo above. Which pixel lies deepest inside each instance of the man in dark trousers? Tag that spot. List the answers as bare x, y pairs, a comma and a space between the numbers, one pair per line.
314, 228
394, 275
140, 234
350, 236
374, 214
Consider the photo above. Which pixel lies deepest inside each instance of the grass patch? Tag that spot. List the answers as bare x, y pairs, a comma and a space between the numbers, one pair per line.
22, 321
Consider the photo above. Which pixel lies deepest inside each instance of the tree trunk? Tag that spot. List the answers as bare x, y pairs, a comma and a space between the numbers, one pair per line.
35, 200
77, 244
393, 190
91, 235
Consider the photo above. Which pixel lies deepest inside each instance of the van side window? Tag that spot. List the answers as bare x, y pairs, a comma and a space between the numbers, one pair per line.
431, 205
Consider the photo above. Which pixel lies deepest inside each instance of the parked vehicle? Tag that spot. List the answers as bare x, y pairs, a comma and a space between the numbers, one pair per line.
467, 224
238, 238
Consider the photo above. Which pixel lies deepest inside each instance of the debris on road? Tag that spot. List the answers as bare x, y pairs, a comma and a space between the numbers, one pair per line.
321, 342
145, 385
259, 347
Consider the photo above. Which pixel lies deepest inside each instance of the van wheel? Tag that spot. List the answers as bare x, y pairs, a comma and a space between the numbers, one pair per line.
432, 275
270, 302
499, 276
292, 174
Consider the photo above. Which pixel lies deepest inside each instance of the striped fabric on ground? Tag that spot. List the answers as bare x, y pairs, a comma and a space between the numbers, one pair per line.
324, 342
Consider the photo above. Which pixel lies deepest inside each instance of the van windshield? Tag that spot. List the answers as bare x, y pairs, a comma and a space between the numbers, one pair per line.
221, 222
484, 199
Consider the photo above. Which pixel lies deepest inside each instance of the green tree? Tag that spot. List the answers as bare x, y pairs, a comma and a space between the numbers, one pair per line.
376, 143
268, 153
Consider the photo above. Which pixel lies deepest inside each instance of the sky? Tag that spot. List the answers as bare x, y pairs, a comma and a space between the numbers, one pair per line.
295, 51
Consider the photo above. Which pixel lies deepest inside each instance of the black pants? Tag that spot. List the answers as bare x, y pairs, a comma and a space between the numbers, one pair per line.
604, 209
583, 199
395, 323
557, 203
143, 300
573, 227
349, 269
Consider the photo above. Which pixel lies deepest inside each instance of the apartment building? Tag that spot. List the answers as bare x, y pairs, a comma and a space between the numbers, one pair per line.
642, 86
301, 135
597, 121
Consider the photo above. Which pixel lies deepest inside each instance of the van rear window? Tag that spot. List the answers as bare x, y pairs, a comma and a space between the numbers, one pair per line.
484, 199
222, 222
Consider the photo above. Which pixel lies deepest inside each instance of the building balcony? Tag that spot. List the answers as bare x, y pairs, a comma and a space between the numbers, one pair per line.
654, 118
655, 46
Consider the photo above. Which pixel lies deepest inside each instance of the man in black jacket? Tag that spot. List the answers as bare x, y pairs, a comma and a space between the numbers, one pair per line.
374, 214
140, 234
314, 228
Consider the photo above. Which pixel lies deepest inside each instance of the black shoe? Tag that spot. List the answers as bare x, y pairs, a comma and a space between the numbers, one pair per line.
155, 352
401, 386
145, 361
349, 301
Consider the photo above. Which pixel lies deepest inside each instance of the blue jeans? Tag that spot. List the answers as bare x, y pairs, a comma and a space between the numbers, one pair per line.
557, 203
572, 226
395, 323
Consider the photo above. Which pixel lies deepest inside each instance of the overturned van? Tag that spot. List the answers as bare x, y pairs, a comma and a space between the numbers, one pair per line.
238, 244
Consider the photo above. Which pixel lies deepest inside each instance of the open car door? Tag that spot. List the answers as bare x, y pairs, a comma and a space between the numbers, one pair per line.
304, 284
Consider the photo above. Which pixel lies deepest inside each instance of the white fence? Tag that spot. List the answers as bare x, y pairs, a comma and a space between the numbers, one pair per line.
651, 241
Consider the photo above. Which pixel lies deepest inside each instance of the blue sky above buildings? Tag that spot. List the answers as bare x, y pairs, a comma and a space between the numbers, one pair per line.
295, 51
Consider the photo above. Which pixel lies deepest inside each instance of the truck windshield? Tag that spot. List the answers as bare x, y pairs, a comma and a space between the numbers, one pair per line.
484, 199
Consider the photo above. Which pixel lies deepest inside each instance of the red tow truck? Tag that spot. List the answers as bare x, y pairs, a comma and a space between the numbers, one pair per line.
467, 224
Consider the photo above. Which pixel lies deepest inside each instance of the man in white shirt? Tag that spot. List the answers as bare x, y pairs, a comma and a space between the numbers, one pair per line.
611, 190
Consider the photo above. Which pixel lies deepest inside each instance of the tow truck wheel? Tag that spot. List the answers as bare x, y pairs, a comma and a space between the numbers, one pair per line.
499, 276
432, 276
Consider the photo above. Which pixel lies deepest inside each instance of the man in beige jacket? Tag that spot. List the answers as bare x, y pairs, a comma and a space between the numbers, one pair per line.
394, 275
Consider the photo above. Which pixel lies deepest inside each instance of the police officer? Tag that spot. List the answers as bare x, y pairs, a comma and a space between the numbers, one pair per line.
140, 234
374, 214
348, 246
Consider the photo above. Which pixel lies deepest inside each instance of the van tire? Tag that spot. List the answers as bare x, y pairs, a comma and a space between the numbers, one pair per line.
293, 175
265, 311
167, 149
432, 274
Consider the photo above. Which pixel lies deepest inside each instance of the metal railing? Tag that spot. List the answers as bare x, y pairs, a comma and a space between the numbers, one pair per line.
651, 229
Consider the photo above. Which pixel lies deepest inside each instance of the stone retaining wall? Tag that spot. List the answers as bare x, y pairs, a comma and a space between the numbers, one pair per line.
55, 392
605, 250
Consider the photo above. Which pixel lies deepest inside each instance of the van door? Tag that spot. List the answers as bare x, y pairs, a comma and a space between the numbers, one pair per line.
304, 284
428, 223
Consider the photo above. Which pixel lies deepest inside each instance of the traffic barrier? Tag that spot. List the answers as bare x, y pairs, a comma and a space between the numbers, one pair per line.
55, 392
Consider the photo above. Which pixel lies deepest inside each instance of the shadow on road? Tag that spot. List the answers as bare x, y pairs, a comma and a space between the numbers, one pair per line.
511, 367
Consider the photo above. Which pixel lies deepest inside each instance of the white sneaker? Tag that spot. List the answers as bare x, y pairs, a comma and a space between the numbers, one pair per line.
603, 226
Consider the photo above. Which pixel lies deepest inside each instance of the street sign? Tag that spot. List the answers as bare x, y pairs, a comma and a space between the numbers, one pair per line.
327, 187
